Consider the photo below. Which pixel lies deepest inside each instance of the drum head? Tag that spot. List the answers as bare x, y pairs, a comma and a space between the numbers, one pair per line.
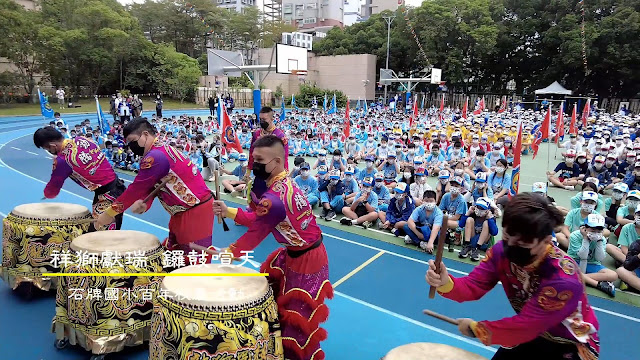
430, 351
122, 241
51, 211
215, 290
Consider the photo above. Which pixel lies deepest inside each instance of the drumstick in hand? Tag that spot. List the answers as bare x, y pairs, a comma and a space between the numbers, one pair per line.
441, 238
441, 317
156, 190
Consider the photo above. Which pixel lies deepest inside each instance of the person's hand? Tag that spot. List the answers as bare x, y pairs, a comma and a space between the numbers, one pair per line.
429, 248
103, 220
139, 207
219, 208
464, 326
435, 279
386, 224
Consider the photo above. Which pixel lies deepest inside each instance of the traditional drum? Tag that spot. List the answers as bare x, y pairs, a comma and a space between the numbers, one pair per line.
430, 351
31, 233
103, 314
215, 317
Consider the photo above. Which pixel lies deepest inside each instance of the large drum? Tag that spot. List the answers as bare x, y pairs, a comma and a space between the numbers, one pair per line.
31, 233
430, 351
103, 314
215, 317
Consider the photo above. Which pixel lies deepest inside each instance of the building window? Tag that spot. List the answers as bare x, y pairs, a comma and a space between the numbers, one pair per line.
310, 20
312, 6
288, 8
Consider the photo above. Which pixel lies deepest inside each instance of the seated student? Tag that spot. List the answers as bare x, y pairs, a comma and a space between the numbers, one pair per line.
322, 159
296, 166
456, 153
583, 163
407, 175
479, 225
575, 217
626, 165
480, 189
108, 152
196, 158
119, 158
338, 162
629, 272
242, 172
424, 224
132, 161
390, 170
369, 168
331, 195
567, 173
418, 188
453, 202
629, 232
435, 161
408, 155
611, 166
369, 147
245, 138
314, 146
351, 148
478, 164
334, 143
364, 208
633, 177
384, 195
442, 186
625, 215
612, 204
350, 183
496, 154
587, 248
322, 174
397, 214
308, 184
500, 182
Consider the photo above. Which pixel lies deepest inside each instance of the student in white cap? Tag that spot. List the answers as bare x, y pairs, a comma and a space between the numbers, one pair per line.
612, 204
364, 208
587, 248
566, 173
399, 210
479, 225
576, 217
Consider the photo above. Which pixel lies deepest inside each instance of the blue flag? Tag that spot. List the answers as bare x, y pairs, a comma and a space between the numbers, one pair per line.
45, 108
422, 103
282, 110
293, 102
324, 103
334, 107
358, 105
103, 122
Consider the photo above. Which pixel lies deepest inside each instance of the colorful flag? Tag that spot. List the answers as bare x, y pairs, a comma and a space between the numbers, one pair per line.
515, 173
366, 109
572, 126
347, 120
324, 103
542, 133
229, 136
282, 109
503, 105
102, 120
293, 102
585, 112
334, 106
560, 124
358, 105
45, 108
465, 109
480, 108
422, 103
414, 113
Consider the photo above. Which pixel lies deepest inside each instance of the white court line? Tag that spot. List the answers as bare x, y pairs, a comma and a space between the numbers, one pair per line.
15, 148
415, 322
329, 235
3, 214
31, 152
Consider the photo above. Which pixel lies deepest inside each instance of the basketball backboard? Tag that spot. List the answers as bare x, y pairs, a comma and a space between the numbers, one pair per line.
217, 60
436, 76
290, 58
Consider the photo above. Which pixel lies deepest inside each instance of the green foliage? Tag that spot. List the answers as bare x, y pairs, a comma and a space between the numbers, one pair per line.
307, 92
175, 73
278, 93
240, 82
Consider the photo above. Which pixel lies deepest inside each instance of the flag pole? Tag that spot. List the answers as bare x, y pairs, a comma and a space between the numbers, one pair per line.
548, 143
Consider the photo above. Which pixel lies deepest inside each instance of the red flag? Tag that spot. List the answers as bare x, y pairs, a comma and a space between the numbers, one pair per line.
442, 104
414, 113
560, 124
572, 126
465, 109
503, 105
347, 125
542, 133
229, 136
480, 107
515, 173
585, 112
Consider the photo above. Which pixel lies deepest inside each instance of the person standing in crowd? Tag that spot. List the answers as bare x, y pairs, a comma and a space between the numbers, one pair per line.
81, 160
60, 94
159, 105
136, 106
212, 106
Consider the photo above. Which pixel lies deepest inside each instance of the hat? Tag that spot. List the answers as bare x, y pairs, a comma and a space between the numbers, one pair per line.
305, 166
611, 156
322, 152
367, 181
595, 221
481, 177
582, 154
634, 194
391, 155
599, 159
539, 187
378, 176
570, 153
483, 203
589, 195
637, 164
444, 174
322, 169
369, 158
400, 188
622, 187
350, 170
242, 157
418, 160
334, 174
420, 172
631, 154
456, 179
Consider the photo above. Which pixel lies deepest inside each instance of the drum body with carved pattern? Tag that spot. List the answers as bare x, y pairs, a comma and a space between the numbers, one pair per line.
98, 306
430, 351
215, 317
31, 233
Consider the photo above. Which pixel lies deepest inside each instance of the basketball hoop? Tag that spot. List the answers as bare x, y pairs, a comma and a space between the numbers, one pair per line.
302, 74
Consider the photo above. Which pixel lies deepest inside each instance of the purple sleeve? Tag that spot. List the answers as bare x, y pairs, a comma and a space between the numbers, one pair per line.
61, 171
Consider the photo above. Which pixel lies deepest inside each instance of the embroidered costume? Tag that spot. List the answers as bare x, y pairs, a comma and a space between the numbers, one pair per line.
548, 297
83, 162
298, 272
186, 196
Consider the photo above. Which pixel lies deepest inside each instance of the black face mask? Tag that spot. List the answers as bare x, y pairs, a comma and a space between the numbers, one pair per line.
260, 170
264, 125
518, 255
136, 148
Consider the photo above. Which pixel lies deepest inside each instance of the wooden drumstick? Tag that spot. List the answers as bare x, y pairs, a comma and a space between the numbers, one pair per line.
440, 316
156, 190
217, 192
86, 221
441, 238
217, 252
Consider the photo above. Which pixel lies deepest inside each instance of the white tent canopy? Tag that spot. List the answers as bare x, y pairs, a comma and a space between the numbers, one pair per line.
554, 88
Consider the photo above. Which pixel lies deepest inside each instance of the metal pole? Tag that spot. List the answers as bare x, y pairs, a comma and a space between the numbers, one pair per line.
388, 19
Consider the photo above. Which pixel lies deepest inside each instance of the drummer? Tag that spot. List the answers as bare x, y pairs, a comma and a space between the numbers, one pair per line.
300, 269
81, 160
186, 197
553, 317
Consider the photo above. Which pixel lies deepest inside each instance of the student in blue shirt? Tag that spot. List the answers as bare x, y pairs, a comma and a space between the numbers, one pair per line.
398, 211
108, 151
364, 209
334, 143
478, 164
331, 195
479, 225
308, 184
479, 190
419, 145
322, 159
384, 195
338, 162
369, 169
241, 171
390, 170
500, 182
369, 146
453, 203
424, 224
350, 183
314, 146
351, 148
245, 139
435, 160
496, 154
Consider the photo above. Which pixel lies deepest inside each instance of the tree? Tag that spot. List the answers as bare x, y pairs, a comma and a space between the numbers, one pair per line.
175, 73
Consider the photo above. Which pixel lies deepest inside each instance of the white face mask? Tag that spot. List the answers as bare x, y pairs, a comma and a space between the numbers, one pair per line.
334, 181
569, 161
617, 195
407, 175
458, 172
456, 151
429, 206
637, 219
244, 163
500, 170
444, 181
598, 166
412, 151
348, 177
455, 191
378, 184
588, 208
369, 164
582, 160
399, 196
609, 163
631, 204
321, 157
480, 213
594, 236
481, 185
336, 158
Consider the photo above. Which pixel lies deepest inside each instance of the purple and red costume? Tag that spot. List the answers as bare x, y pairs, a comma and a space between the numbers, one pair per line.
298, 272
83, 162
548, 297
186, 196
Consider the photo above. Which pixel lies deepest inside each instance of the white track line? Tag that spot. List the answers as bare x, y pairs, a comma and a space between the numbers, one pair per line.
329, 235
31, 152
15, 148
